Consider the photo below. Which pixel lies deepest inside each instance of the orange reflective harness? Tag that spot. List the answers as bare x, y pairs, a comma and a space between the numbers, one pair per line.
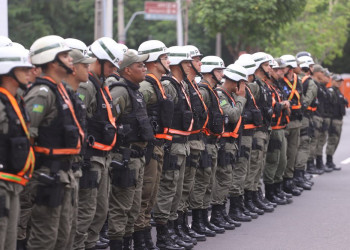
274, 94
294, 91
251, 126
165, 134
63, 151
234, 133
23, 176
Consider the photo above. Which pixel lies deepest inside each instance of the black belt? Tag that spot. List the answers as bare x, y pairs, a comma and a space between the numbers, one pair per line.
158, 142
211, 140
55, 164
136, 151
95, 152
180, 139
262, 129
228, 139
195, 137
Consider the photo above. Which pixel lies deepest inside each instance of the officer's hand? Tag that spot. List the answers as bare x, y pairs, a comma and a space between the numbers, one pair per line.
241, 90
288, 111
286, 104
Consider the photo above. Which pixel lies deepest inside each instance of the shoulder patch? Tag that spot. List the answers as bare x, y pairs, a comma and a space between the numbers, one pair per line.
81, 96
38, 108
223, 102
44, 89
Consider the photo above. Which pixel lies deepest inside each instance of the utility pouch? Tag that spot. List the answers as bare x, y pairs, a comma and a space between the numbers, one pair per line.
166, 112
108, 133
146, 130
50, 193
19, 149
277, 110
257, 117
170, 162
217, 123
273, 145
325, 126
205, 160
149, 152
89, 179
4, 212
187, 117
123, 177
71, 136
222, 157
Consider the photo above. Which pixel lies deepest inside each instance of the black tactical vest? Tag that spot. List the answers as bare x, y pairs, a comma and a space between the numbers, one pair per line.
278, 111
265, 102
11, 158
251, 114
296, 114
216, 119
136, 124
182, 112
339, 107
305, 88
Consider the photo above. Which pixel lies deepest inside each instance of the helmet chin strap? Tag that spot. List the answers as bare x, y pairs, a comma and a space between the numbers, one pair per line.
183, 71
195, 70
102, 76
215, 78
21, 85
165, 69
60, 63
265, 73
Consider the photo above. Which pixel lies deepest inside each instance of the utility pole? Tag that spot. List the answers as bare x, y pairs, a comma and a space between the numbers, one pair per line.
103, 18
4, 18
108, 31
218, 45
121, 33
98, 19
180, 39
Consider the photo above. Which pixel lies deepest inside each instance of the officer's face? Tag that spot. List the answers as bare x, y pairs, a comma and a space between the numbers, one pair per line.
266, 66
136, 72
279, 73
297, 70
166, 63
186, 65
66, 59
81, 72
108, 68
22, 74
219, 73
197, 63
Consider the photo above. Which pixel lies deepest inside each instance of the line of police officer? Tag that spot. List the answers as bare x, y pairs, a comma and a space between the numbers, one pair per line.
113, 140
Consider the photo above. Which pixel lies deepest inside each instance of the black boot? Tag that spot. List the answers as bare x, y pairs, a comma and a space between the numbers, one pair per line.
218, 220
148, 239
319, 163
330, 163
263, 198
227, 217
281, 194
248, 203
139, 240
260, 204
21, 244
101, 245
115, 245
127, 243
307, 180
198, 224
299, 179
104, 231
289, 187
164, 241
177, 239
179, 230
236, 210
189, 231
271, 195
311, 167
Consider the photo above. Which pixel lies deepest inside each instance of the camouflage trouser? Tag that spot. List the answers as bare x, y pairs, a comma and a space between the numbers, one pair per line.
334, 134
192, 162
241, 168
317, 123
323, 136
304, 145
257, 160
125, 197
292, 136
151, 178
201, 195
276, 157
223, 180
52, 218
170, 185
9, 212
93, 202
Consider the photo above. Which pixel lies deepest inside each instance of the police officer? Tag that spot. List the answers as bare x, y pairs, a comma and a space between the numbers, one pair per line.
127, 166
276, 157
335, 128
160, 111
57, 137
93, 185
306, 131
171, 182
292, 88
16, 153
80, 74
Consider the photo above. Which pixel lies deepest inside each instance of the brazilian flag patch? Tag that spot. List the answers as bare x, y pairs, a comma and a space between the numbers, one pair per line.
38, 108
223, 102
82, 97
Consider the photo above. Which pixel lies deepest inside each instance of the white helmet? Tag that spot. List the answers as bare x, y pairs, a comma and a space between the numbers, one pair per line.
290, 60
77, 44
305, 61
209, 63
194, 51
18, 45
13, 57
273, 63
247, 61
105, 48
123, 47
5, 41
236, 72
45, 49
260, 58
153, 48
178, 54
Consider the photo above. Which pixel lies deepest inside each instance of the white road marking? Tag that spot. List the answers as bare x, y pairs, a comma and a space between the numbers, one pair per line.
346, 161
